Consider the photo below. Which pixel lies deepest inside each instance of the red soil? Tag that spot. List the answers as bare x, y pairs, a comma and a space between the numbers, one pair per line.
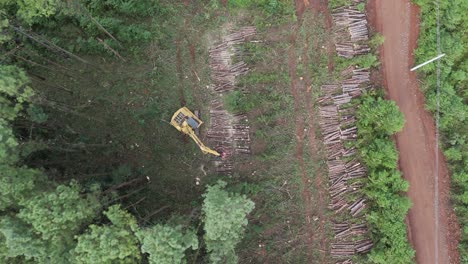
299, 124
397, 21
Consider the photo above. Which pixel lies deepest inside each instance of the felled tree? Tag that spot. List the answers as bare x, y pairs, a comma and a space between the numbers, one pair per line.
166, 244
224, 216
114, 243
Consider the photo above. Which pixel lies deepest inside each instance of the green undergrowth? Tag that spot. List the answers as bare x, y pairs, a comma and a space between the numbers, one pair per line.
377, 121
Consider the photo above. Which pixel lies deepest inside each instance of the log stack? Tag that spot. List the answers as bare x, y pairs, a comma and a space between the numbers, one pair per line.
348, 261
229, 133
351, 31
349, 248
344, 230
223, 70
337, 122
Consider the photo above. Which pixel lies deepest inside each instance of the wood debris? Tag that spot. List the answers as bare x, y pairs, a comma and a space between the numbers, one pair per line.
223, 70
349, 248
348, 261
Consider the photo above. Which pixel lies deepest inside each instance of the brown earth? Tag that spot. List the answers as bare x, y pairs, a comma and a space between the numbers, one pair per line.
397, 21
299, 124
318, 7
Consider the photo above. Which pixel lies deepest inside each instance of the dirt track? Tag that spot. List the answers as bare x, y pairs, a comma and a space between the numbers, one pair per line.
397, 21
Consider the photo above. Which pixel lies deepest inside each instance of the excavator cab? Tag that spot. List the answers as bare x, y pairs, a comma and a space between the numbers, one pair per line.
187, 122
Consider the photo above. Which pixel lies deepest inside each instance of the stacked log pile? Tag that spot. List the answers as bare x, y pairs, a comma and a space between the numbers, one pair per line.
349, 248
351, 31
348, 261
344, 230
228, 133
223, 70
338, 125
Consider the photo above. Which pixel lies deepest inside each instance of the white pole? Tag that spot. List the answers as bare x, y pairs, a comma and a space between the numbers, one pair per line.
427, 62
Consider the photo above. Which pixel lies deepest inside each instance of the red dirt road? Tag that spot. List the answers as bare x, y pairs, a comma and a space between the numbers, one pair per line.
397, 21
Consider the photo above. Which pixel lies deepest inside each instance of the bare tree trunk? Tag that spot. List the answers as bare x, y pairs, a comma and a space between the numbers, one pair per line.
33, 53
128, 194
111, 49
127, 183
59, 87
47, 44
155, 212
42, 101
12, 51
135, 203
101, 27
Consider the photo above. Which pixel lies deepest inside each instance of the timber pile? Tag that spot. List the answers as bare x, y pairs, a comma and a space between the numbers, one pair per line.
348, 261
363, 246
342, 249
337, 122
344, 230
228, 133
348, 249
223, 70
351, 31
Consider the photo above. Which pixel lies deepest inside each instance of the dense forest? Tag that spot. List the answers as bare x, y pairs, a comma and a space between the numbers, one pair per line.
73, 179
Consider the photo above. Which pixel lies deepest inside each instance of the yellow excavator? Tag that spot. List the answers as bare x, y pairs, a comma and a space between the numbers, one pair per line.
187, 122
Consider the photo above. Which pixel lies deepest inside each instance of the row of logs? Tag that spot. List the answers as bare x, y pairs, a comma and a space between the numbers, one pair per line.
337, 122
338, 125
349, 248
223, 70
348, 261
351, 32
228, 133
344, 230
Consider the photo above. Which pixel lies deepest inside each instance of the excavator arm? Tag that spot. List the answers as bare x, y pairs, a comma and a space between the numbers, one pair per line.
180, 120
189, 131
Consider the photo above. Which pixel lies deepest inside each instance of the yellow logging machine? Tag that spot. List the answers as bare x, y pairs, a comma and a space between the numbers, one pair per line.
187, 122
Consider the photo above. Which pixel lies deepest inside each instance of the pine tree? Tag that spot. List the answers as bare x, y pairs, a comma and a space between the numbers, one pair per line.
114, 243
225, 220
166, 244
